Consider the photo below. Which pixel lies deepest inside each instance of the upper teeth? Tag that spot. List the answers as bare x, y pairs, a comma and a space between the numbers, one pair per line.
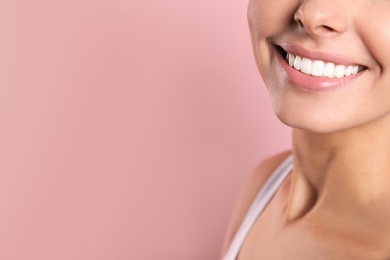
319, 68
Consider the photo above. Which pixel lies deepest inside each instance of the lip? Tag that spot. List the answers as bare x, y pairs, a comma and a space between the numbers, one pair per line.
309, 83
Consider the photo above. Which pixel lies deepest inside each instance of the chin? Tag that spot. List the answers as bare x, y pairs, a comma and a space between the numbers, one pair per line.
314, 124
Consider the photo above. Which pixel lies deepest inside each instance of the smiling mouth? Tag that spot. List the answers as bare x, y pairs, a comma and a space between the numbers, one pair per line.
319, 68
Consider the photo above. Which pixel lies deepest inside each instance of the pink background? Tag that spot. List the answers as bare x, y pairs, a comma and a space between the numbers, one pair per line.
127, 127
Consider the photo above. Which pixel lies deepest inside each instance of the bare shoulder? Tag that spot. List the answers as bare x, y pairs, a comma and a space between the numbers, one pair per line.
254, 183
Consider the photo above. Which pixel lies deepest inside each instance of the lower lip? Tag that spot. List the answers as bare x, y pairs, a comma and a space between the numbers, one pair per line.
310, 83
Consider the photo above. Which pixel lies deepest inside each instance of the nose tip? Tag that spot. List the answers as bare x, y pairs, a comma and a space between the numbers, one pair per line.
319, 17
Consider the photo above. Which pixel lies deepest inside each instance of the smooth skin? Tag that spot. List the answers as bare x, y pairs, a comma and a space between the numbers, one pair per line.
336, 202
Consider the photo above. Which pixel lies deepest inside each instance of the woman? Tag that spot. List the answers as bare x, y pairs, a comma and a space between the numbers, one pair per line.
326, 64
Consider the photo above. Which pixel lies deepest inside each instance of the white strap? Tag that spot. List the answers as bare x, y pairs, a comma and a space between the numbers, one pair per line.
260, 202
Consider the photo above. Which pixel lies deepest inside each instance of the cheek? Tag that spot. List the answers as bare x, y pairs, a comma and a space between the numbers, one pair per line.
270, 17
373, 29
267, 19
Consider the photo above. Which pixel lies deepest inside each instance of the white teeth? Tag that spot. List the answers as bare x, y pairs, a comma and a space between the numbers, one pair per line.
306, 66
339, 71
291, 59
297, 62
329, 70
355, 69
319, 68
348, 71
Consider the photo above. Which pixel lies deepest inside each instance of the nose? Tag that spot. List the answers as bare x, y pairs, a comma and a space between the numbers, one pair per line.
322, 17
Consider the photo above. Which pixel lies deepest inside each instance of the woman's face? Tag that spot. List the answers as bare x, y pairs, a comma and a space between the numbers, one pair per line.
338, 73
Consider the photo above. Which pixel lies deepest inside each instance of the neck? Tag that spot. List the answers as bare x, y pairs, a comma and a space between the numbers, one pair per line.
344, 173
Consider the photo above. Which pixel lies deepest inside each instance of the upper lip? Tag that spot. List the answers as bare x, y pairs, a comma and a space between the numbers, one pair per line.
317, 55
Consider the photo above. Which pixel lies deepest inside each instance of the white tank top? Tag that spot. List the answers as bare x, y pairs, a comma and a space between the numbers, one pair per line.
260, 202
